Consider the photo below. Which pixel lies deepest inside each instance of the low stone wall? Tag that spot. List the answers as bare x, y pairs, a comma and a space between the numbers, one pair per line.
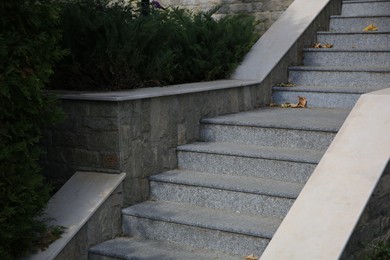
138, 136
105, 224
266, 12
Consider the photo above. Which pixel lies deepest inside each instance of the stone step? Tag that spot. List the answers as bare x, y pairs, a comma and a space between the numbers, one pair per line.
355, 41
340, 76
138, 248
361, 8
199, 227
340, 23
220, 191
346, 58
307, 129
320, 96
290, 165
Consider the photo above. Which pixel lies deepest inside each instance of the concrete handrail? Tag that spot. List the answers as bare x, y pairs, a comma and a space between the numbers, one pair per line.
322, 219
280, 38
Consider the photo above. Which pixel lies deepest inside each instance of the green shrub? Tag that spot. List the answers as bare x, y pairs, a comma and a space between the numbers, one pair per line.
113, 46
380, 251
28, 50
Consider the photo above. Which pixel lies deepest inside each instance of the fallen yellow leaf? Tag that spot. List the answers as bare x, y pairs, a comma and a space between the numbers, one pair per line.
251, 257
370, 28
319, 45
302, 103
285, 84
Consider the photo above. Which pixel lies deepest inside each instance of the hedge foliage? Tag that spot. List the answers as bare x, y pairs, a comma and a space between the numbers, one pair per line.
28, 49
115, 47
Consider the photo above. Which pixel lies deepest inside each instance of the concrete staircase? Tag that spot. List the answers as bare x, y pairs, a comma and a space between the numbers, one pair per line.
231, 191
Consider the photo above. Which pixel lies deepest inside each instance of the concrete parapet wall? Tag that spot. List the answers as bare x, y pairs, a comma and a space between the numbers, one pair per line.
89, 207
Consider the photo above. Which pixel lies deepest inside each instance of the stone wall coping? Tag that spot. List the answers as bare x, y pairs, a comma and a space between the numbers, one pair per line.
75, 203
144, 93
322, 219
278, 39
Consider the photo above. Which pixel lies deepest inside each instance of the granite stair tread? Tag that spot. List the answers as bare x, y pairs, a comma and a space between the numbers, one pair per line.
344, 50
201, 217
261, 186
318, 119
340, 23
355, 40
148, 249
255, 151
328, 89
340, 69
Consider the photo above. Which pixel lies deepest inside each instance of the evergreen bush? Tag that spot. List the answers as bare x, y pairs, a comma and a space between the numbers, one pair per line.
113, 46
28, 50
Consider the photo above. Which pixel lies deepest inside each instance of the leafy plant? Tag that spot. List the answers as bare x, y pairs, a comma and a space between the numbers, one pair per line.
113, 46
380, 251
28, 50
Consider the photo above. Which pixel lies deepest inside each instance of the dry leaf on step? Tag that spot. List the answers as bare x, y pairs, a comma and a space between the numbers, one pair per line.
285, 84
251, 257
319, 45
285, 105
327, 45
370, 28
273, 105
302, 103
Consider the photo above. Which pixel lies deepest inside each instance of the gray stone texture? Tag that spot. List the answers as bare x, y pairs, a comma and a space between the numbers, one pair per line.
135, 248
246, 166
266, 12
324, 96
138, 136
340, 77
361, 40
367, 8
199, 227
239, 194
357, 24
350, 58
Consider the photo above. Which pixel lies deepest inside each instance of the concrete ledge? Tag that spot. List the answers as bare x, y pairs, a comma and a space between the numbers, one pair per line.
278, 41
74, 205
320, 223
144, 93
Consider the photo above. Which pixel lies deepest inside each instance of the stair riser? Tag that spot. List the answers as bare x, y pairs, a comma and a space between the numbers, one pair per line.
245, 166
370, 8
221, 199
286, 138
340, 78
226, 242
317, 99
358, 24
347, 59
369, 41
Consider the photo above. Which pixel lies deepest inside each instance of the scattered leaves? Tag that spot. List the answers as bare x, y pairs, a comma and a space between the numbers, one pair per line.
370, 28
319, 45
251, 257
302, 103
285, 84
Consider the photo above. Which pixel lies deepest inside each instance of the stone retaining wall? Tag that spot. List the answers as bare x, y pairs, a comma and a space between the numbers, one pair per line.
265, 11
138, 137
